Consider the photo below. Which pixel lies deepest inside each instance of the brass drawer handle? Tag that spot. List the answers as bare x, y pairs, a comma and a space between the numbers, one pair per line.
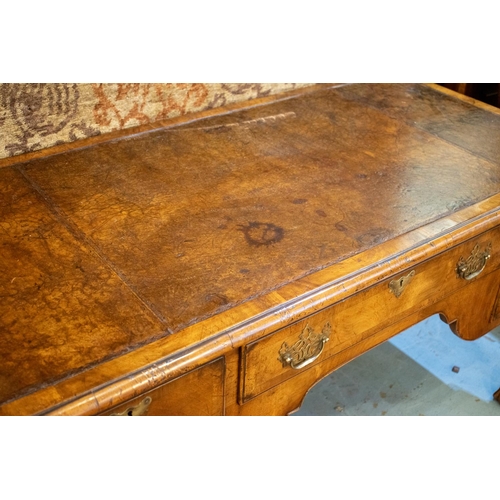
474, 264
397, 286
306, 350
135, 411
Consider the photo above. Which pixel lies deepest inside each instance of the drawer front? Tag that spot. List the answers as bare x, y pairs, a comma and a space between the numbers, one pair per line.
199, 392
286, 353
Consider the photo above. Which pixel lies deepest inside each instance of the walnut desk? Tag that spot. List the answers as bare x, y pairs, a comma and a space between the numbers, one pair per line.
225, 262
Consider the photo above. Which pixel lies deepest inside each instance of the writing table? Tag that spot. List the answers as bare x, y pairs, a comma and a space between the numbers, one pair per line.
224, 262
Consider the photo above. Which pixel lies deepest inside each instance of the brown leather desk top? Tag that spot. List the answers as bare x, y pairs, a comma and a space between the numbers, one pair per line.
113, 246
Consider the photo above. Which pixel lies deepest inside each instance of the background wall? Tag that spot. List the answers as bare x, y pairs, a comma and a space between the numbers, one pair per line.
36, 116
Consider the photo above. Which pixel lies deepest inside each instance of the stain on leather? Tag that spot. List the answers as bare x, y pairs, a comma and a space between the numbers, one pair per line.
262, 233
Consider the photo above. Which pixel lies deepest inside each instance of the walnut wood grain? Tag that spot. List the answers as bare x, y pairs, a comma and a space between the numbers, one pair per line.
176, 399
467, 322
362, 315
305, 182
172, 248
62, 309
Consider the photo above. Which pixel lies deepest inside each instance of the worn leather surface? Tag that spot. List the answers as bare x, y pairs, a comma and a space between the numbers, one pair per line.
144, 236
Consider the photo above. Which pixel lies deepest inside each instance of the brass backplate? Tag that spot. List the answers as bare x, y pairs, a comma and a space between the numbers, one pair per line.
398, 286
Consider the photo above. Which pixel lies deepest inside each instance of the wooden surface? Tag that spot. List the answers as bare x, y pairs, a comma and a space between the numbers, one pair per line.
129, 263
172, 398
371, 310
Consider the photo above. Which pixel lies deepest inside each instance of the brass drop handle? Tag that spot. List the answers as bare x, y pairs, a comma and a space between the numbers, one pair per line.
307, 361
306, 350
135, 411
474, 264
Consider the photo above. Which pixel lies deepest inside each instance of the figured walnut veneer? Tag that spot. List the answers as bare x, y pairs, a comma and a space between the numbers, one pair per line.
129, 263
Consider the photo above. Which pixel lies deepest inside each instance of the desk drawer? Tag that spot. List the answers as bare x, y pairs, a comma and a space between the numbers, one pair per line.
286, 353
199, 392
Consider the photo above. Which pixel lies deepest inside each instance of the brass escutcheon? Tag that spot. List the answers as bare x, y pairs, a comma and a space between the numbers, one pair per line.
474, 264
306, 350
398, 286
135, 411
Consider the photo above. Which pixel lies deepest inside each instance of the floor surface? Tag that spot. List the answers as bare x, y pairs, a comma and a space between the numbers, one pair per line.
425, 370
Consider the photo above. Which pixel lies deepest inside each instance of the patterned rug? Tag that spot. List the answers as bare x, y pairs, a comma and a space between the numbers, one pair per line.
36, 116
